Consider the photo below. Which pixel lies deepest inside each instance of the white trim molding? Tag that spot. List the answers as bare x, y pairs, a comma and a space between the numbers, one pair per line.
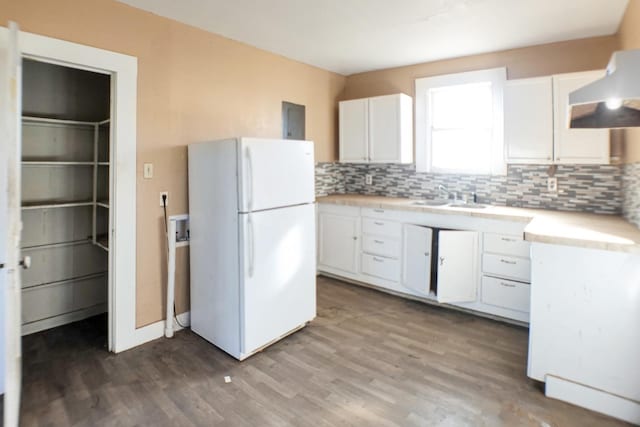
123, 70
424, 87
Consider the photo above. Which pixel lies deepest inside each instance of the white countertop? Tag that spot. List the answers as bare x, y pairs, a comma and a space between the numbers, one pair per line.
607, 232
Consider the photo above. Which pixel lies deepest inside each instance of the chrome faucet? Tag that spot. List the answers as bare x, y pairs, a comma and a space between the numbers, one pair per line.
442, 189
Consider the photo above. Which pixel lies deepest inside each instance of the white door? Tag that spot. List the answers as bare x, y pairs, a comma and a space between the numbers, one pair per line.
275, 173
528, 120
384, 129
279, 280
354, 134
457, 266
338, 247
416, 270
576, 145
10, 153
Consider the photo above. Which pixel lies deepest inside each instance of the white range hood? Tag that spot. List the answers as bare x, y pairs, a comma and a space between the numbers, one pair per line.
614, 100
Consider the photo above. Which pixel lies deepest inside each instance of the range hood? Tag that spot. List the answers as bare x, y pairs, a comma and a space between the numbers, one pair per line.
614, 100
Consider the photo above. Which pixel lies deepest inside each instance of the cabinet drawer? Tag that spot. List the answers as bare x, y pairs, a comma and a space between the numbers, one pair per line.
382, 267
506, 293
506, 266
381, 227
378, 245
506, 244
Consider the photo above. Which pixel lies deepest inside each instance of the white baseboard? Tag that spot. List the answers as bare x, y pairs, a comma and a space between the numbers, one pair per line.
63, 319
156, 330
591, 398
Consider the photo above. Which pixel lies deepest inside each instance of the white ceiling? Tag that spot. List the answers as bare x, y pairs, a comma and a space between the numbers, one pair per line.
351, 36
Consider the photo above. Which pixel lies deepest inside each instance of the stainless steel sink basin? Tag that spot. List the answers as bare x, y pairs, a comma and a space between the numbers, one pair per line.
468, 205
430, 203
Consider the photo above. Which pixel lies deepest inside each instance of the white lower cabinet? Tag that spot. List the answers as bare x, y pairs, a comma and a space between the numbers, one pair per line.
505, 293
395, 251
416, 258
457, 266
382, 267
338, 240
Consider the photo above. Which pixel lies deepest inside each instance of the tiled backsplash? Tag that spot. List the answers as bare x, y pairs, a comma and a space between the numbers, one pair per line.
631, 193
586, 188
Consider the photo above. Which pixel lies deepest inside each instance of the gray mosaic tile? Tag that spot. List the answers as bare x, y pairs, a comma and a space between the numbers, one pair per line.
585, 188
631, 193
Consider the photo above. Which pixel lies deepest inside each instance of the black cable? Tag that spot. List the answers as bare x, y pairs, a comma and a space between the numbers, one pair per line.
166, 232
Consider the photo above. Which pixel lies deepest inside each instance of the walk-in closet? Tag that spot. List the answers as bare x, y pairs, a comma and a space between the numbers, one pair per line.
65, 194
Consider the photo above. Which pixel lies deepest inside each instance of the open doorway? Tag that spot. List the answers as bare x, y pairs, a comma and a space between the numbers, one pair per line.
66, 182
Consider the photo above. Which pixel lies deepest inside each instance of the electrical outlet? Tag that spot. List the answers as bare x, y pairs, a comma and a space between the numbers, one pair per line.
164, 193
368, 179
552, 184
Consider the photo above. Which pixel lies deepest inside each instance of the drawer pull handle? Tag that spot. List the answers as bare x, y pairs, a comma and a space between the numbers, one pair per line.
378, 259
508, 285
380, 242
507, 239
355, 237
441, 261
379, 210
506, 261
378, 223
426, 254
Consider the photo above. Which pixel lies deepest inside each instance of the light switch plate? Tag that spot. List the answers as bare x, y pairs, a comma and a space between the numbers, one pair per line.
148, 170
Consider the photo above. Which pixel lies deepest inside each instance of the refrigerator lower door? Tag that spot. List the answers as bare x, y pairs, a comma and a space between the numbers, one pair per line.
274, 173
278, 289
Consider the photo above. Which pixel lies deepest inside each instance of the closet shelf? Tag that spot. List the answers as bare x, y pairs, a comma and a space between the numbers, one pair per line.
54, 163
46, 204
103, 242
103, 163
47, 120
103, 203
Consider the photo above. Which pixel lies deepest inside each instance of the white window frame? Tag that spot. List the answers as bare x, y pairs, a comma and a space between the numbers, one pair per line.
497, 77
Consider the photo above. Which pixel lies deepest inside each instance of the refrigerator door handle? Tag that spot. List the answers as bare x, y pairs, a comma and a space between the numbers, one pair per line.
249, 178
251, 245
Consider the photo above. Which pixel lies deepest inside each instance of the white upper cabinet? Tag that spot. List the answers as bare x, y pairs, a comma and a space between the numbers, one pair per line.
377, 130
457, 266
416, 268
354, 131
528, 120
536, 130
576, 145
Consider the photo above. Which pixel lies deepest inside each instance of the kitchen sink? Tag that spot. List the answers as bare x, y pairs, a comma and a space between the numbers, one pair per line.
430, 203
468, 205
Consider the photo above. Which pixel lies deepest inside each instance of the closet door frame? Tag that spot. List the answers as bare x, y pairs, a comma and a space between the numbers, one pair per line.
123, 70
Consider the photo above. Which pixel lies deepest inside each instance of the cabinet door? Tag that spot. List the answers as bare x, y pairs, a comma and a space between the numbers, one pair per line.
528, 120
354, 134
457, 266
578, 146
338, 241
384, 129
416, 256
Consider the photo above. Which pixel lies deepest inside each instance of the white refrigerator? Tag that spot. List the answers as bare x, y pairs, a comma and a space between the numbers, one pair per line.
252, 249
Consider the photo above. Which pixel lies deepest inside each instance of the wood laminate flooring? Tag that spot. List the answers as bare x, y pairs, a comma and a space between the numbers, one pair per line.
369, 359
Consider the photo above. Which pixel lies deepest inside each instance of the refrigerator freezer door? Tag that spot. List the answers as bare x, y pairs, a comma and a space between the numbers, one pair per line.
274, 173
279, 273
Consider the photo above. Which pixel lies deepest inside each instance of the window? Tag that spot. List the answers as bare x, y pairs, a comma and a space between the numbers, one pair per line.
459, 123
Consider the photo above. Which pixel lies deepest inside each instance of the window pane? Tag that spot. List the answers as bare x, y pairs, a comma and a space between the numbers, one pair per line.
462, 106
461, 150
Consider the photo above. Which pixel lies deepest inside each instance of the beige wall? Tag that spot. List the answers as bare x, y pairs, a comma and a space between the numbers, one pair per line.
564, 57
192, 86
630, 39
